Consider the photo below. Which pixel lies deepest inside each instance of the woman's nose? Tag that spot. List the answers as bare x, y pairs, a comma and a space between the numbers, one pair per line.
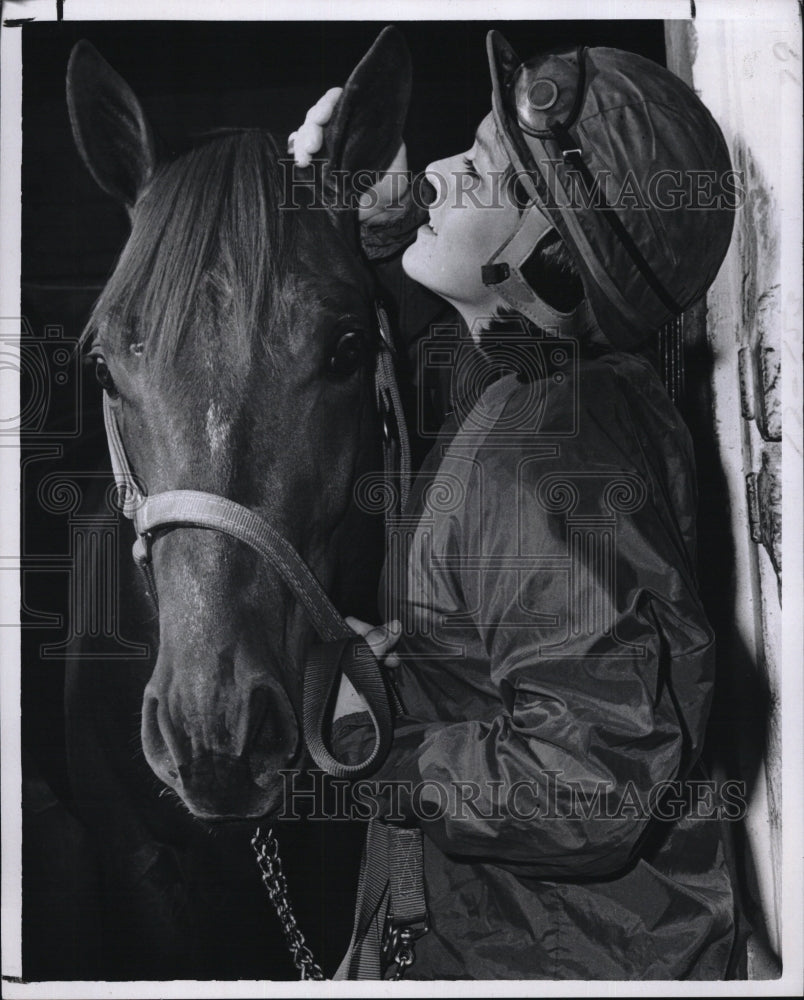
435, 184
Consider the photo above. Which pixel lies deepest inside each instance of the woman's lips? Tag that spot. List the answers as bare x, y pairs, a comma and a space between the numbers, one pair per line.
427, 229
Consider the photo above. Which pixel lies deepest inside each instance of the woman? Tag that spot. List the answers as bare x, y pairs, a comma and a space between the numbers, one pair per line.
556, 666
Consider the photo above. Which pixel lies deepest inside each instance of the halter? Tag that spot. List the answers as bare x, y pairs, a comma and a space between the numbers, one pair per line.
152, 515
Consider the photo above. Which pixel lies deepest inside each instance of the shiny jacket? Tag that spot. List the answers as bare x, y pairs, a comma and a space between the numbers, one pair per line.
556, 680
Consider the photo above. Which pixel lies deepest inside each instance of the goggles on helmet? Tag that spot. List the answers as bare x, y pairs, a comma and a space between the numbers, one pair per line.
530, 99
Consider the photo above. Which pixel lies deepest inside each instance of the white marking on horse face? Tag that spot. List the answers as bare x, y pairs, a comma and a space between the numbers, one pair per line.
217, 428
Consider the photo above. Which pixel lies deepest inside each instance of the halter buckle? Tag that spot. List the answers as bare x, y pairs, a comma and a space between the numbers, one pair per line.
141, 549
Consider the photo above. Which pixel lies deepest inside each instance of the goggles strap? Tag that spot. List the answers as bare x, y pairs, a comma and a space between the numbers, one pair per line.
504, 271
573, 158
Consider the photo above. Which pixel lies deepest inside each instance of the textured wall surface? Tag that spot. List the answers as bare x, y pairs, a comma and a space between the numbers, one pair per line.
748, 72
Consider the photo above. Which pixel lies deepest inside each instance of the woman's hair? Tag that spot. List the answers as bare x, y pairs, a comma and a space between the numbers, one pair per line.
550, 270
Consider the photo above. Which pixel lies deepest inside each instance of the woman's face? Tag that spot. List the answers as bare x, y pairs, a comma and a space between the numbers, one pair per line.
471, 217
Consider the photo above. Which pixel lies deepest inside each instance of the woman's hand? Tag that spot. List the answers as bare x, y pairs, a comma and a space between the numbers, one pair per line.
380, 199
305, 142
381, 639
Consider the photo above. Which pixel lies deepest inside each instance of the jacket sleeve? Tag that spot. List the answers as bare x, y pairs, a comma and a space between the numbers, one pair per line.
600, 659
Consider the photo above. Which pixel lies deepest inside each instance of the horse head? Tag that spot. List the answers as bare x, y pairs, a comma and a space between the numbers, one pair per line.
235, 342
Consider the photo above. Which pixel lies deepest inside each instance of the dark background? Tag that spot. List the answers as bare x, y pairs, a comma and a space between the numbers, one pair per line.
189, 77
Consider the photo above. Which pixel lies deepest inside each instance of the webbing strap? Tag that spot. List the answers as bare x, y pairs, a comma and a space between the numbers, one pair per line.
325, 663
406, 858
390, 891
193, 509
363, 957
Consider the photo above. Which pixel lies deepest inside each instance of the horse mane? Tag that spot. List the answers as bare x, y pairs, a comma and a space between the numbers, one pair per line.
208, 246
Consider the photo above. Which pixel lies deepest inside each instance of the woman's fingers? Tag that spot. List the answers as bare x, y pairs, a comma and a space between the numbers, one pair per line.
380, 638
321, 112
306, 141
356, 625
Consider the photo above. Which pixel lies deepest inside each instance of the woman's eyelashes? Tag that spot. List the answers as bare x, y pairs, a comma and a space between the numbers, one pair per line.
469, 164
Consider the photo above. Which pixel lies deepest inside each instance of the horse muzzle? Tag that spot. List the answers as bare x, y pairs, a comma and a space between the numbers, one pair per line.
222, 759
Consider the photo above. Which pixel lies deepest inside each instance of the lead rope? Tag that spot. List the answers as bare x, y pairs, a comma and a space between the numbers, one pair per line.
400, 948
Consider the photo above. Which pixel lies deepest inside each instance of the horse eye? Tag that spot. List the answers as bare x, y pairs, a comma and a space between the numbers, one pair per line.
104, 377
347, 355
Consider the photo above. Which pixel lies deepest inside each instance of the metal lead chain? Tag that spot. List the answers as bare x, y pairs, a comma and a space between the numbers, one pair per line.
266, 847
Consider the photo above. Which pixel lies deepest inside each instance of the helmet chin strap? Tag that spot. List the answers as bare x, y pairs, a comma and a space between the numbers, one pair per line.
504, 273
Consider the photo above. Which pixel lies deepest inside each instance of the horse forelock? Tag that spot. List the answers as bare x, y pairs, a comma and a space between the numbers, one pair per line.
209, 249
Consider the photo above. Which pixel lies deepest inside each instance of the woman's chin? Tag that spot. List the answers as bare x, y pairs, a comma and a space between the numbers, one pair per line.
415, 262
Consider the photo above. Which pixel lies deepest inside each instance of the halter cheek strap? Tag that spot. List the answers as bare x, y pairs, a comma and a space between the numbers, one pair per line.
194, 509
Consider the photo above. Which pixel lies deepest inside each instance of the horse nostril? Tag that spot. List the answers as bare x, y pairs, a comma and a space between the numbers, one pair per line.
156, 748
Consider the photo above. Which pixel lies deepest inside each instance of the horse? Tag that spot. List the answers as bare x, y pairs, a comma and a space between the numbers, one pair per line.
235, 343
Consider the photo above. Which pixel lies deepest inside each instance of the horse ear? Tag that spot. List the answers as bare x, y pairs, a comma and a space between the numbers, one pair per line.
109, 126
365, 131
